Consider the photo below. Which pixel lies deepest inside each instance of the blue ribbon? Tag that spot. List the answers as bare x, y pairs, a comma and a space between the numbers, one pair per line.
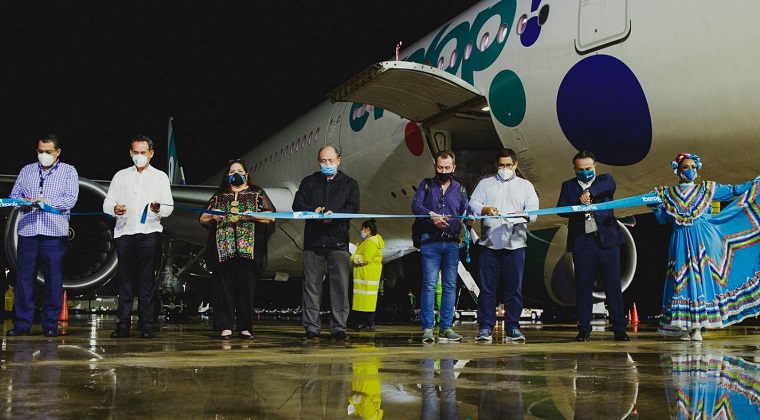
638, 200
16, 202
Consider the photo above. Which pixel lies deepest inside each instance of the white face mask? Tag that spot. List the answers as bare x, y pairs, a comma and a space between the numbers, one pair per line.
140, 160
45, 159
363, 234
506, 173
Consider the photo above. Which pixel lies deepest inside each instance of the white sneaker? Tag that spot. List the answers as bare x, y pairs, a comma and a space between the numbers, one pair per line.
696, 335
685, 336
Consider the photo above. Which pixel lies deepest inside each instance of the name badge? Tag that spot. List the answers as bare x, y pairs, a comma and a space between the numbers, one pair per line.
590, 223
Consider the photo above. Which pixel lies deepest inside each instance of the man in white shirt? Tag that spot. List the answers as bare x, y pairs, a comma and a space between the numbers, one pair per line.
503, 242
131, 190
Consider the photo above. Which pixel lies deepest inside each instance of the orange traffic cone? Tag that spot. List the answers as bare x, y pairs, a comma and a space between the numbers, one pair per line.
64, 309
635, 314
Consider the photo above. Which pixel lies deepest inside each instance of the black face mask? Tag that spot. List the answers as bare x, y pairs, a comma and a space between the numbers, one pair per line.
237, 179
443, 177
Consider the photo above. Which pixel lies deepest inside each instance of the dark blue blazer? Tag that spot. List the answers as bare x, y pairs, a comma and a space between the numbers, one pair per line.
602, 189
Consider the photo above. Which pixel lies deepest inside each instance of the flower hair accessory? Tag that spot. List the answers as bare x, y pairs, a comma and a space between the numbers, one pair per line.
681, 157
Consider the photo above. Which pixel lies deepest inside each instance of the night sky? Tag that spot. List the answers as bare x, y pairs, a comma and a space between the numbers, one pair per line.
230, 73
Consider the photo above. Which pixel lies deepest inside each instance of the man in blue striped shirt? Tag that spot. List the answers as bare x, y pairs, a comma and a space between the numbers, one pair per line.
42, 234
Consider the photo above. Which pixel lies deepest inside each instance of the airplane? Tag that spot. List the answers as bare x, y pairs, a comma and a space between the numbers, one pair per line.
634, 82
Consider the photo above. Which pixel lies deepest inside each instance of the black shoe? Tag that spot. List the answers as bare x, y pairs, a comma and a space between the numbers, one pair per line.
245, 336
368, 328
146, 334
16, 333
310, 335
340, 335
120, 334
50, 333
583, 336
621, 336
226, 337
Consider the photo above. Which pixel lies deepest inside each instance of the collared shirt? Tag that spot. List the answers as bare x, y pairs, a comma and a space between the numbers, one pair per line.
136, 190
509, 196
586, 185
452, 203
59, 188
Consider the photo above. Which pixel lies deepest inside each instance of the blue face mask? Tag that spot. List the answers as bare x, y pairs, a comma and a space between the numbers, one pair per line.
689, 174
585, 175
328, 170
236, 179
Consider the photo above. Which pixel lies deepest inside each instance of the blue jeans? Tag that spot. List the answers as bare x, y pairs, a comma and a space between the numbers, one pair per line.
501, 266
443, 256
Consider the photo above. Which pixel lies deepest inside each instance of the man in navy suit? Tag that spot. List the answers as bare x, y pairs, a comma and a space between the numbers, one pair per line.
594, 238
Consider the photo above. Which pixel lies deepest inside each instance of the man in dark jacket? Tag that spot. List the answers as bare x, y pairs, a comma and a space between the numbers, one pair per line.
594, 238
325, 242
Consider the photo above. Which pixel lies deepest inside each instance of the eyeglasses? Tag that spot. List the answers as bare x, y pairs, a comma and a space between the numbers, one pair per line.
505, 165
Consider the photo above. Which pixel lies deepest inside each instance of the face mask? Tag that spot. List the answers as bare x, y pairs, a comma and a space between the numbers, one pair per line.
505, 173
45, 159
140, 160
237, 179
443, 177
364, 235
689, 174
585, 175
328, 170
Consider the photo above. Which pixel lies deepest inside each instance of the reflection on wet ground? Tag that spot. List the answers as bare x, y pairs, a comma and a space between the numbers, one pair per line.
185, 372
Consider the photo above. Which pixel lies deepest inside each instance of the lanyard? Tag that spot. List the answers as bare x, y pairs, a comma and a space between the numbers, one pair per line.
50, 172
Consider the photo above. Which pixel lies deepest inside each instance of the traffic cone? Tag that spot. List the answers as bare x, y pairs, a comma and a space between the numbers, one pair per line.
64, 309
635, 314
629, 316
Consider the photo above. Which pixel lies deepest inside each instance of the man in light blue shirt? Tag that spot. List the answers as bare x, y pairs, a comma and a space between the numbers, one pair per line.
502, 244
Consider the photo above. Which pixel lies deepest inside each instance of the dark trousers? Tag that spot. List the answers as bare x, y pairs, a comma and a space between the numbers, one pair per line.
45, 252
237, 283
337, 263
505, 267
592, 258
136, 254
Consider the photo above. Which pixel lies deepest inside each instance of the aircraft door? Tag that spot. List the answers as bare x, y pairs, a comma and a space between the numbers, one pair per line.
602, 23
334, 126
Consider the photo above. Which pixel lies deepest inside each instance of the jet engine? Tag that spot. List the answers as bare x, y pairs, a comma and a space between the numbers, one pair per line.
555, 267
91, 258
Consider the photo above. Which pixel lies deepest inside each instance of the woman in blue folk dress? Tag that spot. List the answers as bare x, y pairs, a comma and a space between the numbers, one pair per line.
713, 272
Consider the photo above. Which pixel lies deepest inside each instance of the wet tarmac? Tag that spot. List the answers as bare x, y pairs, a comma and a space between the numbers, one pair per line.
187, 373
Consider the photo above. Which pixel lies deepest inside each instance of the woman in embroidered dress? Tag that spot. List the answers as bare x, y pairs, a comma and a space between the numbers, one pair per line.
368, 265
238, 246
712, 275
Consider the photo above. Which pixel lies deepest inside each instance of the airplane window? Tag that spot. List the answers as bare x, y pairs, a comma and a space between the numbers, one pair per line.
522, 23
543, 14
414, 188
468, 51
393, 194
453, 60
316, 135
303, 141
292, 148
503, 30
403, 191
440, 63
485, 40
298, 143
